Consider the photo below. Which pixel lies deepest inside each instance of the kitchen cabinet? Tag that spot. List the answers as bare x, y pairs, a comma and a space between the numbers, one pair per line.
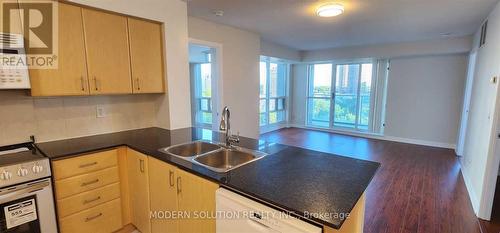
196, 196
146, 55
178, 191
163, 195
88, 192
138, 187
70, 77
107, 48
355, 222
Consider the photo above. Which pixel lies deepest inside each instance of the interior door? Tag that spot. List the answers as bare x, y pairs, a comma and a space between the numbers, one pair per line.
106, 37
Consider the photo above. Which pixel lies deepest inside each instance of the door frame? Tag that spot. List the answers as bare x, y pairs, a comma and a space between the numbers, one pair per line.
217, 94
466, 105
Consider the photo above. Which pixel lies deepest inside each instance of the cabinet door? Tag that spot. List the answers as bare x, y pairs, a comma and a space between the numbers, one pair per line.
138, 190
70, 77
146, 54
108, 60
163, 194
197, 197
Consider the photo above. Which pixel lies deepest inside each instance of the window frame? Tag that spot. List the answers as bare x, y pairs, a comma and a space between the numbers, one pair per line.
276, 99
331, 97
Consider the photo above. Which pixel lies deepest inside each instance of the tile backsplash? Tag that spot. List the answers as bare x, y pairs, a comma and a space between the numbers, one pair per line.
52, 118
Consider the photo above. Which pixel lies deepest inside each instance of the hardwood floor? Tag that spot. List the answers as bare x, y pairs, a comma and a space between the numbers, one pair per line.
417, 188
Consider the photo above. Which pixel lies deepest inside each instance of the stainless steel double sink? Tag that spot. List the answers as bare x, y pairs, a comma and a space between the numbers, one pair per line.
214, 156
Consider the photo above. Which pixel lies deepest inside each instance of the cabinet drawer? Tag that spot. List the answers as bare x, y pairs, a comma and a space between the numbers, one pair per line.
86, 182
84, 164
85, 200
103, 218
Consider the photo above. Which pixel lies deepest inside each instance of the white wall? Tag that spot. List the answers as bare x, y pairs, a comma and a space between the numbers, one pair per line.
419, 48
173, 13
424, 98
480, 137
271, 49
240, 71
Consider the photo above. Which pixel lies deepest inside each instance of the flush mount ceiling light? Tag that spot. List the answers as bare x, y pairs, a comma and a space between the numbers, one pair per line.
330, 10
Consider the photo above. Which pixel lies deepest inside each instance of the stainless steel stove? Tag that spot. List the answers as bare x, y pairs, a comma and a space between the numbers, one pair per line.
26, 199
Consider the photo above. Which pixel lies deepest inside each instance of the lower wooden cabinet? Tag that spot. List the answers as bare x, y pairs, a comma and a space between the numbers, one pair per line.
196, 196
174, 192
138, 185
163, 195
104, 191
104, 218
88, 193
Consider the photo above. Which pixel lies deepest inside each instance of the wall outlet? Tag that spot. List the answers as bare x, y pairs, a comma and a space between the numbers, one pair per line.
100, 112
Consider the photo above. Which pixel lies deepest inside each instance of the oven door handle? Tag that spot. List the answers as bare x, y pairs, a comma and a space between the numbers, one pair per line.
24, 189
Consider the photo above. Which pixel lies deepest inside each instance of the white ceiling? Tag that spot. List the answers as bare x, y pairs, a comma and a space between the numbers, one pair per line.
293, 22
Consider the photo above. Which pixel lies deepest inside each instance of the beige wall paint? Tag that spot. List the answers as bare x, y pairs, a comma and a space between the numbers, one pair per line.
424, 98
65, 117
240, 69
173, 13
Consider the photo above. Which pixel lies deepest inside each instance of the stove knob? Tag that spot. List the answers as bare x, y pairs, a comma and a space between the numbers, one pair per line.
37, 168
5, 175
22, 172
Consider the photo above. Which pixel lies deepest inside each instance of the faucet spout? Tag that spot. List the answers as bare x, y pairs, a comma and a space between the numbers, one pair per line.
225, 125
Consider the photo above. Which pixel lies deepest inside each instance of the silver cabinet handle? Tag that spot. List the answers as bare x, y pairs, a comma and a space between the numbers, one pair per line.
91, 200
87, 165
89, 182
87, 219
82, 83
179, 187
95, 84
141, 165
171, 178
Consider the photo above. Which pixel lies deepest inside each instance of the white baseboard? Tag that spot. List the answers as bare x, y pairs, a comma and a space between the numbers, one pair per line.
472, 195
381, 137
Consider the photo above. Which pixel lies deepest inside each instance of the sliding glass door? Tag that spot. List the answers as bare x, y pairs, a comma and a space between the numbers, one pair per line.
340, 96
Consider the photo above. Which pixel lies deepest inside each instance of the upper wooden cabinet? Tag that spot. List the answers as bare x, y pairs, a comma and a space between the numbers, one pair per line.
146, 54
70, 78
102, 53
106, 36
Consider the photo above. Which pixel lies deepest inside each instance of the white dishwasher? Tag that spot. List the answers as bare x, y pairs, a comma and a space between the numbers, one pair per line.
238, 214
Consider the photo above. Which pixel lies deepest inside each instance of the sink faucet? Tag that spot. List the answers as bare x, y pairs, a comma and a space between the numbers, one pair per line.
225, 125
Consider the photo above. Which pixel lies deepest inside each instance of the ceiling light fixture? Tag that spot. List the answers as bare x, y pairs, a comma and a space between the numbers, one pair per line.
330, 10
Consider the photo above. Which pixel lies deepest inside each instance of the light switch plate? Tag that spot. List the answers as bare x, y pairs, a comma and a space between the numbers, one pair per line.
100, 111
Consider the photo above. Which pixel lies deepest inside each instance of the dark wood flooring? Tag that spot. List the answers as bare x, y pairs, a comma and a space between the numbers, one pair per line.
417, 188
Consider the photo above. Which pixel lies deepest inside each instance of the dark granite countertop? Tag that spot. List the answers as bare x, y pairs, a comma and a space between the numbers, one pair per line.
312, 185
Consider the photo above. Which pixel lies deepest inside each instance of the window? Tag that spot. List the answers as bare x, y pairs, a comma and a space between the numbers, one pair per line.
340, 96
203, 93
272, 105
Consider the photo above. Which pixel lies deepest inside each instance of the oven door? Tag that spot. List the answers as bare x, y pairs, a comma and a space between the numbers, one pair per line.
28, 208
